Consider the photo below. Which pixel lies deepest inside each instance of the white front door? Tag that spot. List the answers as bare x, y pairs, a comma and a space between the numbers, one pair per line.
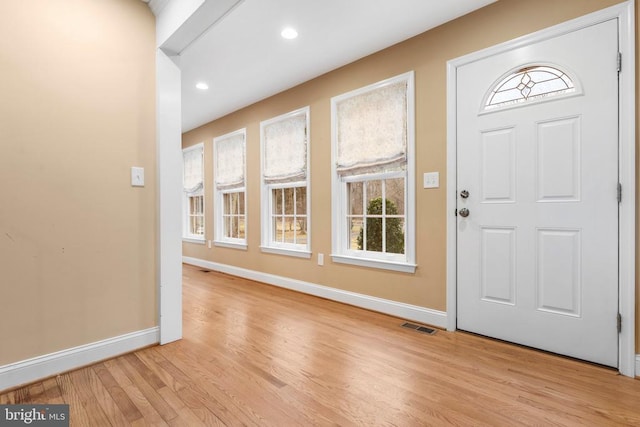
537, 251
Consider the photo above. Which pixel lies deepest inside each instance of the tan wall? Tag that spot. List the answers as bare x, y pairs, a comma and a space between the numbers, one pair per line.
637, 21
427, 54
77, 110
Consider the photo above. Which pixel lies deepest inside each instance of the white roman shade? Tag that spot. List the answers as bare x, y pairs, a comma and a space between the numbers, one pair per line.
372, 129
193, 170
230, 160
285, 149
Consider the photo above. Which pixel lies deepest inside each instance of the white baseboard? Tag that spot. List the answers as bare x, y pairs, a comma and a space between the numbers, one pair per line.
637, 373
393, 308
30, 370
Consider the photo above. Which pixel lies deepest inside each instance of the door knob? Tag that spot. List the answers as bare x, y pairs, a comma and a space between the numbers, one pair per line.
464, 194
464, 212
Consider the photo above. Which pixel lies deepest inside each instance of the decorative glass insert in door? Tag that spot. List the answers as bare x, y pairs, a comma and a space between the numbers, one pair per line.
529, 83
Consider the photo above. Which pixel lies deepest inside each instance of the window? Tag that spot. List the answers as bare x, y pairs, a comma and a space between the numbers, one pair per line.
285, 184
193, 193
229, 154
527, 84
373, 175
375, 226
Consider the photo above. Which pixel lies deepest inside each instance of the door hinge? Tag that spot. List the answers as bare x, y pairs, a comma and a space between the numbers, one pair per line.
619, 193
619, 322
619, 62
456, 212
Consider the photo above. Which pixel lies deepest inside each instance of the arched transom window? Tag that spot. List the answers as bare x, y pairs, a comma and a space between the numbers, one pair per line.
529, 83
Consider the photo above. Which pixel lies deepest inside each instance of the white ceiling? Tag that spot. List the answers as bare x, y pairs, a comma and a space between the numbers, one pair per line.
243, 58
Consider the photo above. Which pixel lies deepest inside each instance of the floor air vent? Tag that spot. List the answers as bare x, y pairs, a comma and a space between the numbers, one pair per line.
419, 328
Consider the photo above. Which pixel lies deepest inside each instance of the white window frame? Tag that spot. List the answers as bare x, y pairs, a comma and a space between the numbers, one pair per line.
268, 243
341, 252
219, 237
187, 236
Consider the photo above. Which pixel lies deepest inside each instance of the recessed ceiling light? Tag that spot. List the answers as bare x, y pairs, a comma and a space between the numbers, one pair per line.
202, 86
289, 33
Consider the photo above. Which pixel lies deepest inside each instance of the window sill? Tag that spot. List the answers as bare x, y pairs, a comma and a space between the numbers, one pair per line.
375, 263
195, 240
230, 245
285, 251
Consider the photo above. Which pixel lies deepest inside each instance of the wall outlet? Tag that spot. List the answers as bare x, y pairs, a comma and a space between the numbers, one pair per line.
431, 179
320, 259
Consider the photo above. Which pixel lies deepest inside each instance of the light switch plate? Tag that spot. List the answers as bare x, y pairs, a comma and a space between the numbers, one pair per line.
137, 177
432, 180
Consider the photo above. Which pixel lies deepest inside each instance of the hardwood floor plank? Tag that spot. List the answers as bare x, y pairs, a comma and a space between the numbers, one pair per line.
330, 394
77, 414
153, 360
102, 395
191, 410
149, 414
142, 370
163, 368
8, 398
22, 395
53, 394
185, 415
117, 393
130, 364
221, 389
258, 355
81, 381
198, 393
36, 392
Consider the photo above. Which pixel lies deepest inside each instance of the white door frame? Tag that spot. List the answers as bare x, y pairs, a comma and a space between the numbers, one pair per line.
169, 205
624, 12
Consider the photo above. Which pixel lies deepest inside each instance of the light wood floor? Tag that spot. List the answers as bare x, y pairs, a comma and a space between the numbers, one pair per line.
258, 355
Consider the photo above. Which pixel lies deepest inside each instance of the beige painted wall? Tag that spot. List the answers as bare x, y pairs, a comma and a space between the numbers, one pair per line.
427, 54
77, 242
